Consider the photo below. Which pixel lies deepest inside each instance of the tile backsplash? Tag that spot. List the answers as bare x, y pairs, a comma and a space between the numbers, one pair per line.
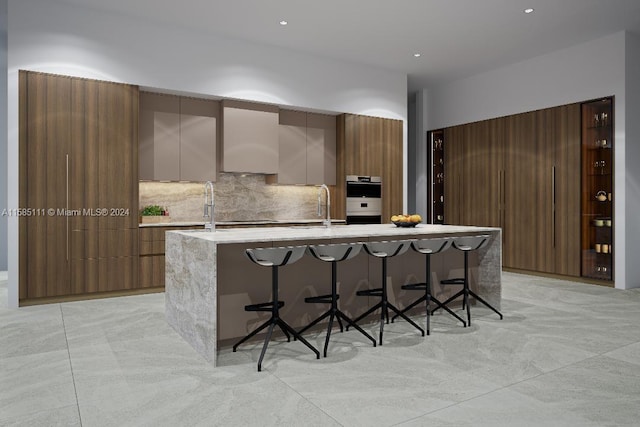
237, 198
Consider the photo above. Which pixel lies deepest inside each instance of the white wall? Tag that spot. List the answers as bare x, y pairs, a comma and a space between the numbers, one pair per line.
45, 35
421, 176
632, 160
3, 135
586, 71
582, 72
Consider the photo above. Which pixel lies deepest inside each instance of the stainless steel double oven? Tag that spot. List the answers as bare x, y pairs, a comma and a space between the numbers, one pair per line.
364, 199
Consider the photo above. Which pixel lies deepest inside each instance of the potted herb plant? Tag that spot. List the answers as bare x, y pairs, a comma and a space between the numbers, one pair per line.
154, 214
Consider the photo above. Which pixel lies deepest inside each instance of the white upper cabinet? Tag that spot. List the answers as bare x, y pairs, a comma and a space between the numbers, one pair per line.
198, 139
177, 138
321, 149
307, 149
250, 141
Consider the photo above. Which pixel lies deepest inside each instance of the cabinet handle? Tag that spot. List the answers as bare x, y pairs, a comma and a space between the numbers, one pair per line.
553, 204
459, 177
500, 206
67, 207
503, 197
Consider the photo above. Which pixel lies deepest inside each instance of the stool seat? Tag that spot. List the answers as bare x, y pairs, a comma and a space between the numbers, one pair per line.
467, 244
278, 256
384, 250
431, 246
428, 247
333, 253
274, 257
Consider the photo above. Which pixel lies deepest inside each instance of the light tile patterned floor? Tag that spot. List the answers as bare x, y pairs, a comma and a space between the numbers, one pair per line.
566, 354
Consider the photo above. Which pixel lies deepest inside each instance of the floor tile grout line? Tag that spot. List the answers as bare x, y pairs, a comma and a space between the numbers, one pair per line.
306, 399
73, 379
505, 387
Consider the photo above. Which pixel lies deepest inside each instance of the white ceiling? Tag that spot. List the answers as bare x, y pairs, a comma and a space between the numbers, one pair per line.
456, 38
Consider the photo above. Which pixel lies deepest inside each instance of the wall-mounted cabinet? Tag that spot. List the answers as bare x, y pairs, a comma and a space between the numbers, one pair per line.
307, 149
177, 138
597, 189
251, 135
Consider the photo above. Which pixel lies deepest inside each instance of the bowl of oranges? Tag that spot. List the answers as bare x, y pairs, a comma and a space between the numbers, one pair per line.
405, 220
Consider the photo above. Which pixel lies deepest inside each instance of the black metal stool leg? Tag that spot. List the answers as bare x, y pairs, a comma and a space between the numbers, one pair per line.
382, 311
266, 343
339, 321
315, 322
473, 294
448, 310
404, 316
253, 333
450, 299
358, 328
465, 303
409, 307
285, 325
285, 333
428, 299
326, 340
366, 313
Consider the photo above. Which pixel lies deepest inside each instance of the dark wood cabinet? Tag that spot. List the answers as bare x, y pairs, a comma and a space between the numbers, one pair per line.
528, 194
473, 174
78, 169
520, 173
369, 146
44, 139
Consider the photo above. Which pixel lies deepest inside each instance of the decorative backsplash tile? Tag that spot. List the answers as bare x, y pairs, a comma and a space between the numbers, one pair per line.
237, 198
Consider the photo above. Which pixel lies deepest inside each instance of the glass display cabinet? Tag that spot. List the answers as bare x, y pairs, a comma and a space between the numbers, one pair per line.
435, 141
597, 189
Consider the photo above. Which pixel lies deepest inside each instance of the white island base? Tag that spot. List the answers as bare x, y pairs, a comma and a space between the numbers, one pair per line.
208, 279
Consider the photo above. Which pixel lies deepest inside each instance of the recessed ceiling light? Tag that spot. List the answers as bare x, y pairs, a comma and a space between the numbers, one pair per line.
283, 22
528, 10
417, 55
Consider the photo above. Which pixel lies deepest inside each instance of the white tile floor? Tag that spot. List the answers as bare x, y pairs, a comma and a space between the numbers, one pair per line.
566, 354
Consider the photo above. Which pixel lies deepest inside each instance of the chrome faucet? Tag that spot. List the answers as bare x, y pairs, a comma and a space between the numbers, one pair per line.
327, 221
209, 207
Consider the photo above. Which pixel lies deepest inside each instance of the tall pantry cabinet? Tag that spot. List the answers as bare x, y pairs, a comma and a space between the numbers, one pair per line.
520, 173
78, 186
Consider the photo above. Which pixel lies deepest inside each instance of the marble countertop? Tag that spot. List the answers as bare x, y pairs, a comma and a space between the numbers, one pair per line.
270, 234
264, 222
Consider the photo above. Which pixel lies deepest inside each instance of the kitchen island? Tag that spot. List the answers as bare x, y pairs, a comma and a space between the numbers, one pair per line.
208, 279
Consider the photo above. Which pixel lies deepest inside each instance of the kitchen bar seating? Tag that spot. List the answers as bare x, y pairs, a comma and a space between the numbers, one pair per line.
466, 245
274, 257
428, 247
334, 254
384, 250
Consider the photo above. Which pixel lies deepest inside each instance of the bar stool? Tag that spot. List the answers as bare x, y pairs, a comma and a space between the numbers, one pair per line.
466, 245
274, 258
334, 254
384, 250
428, 247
